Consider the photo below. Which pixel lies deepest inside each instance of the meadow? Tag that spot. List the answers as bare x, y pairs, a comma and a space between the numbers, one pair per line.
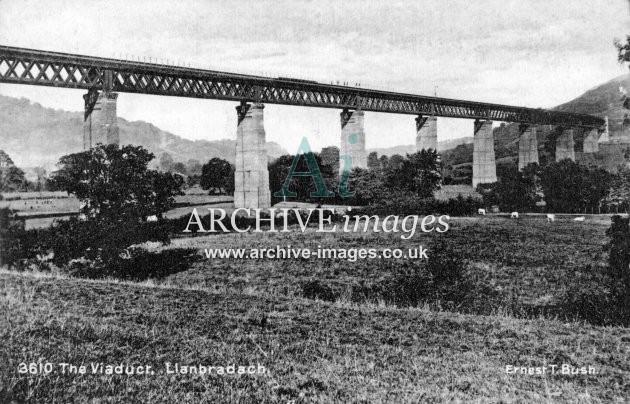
356, 347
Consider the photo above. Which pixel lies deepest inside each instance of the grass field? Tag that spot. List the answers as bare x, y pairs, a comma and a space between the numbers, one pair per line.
529, 259
251, 312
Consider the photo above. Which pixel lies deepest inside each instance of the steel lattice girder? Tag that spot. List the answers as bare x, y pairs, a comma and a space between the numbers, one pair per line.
26, 66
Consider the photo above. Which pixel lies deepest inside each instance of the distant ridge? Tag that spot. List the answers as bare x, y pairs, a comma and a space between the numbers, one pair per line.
36, 136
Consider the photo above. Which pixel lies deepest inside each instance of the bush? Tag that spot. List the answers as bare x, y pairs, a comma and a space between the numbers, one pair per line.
619, 254
134, 264
11, 233
401, 204
445, 281
590, 299
317, 290
604, 298
73, 238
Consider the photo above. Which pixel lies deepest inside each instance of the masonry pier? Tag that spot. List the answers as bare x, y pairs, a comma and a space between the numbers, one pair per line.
251, 176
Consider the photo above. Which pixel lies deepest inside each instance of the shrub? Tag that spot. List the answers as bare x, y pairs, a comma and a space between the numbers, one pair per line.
619, 263
444, 281
317, 290
590, 299
134, 264
401, 204
619, 253
604, 298
11, 234
73, 238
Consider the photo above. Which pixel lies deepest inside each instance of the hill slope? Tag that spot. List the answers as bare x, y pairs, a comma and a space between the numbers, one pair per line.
352, 353
36, 136
603, 100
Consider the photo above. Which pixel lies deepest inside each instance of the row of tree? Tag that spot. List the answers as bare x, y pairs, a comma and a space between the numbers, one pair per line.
416, 174
13, 178
565, 186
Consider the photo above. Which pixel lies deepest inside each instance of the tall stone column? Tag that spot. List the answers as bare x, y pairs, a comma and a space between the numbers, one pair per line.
591, 141
484, 164
251, 176
426, 133
527, 146
101, 123
352, 139
565, 145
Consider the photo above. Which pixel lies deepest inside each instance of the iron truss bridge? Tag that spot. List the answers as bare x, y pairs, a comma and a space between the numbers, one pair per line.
41, 68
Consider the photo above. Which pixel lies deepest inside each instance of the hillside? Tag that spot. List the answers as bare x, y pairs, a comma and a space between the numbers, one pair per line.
404, 149
603, 100
36, 136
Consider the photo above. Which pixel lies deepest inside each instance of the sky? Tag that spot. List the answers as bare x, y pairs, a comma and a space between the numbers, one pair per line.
527, 53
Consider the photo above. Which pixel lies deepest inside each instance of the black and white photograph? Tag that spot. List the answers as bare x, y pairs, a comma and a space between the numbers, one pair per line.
299, 201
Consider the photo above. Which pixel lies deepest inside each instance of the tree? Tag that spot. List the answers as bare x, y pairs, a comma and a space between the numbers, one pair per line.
396, 161
367, 185
303, 186
166, 162
194, 167
373, 162
384, 160
330, 156
515, 190
418, 173
217, 174
620, 190
623, 56
570, 187
180, 168
41, 178
114, 183
12, 179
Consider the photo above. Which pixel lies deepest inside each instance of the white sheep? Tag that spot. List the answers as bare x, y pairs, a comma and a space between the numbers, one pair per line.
152, 218
481, 212
551, 217
579, 219
514, 215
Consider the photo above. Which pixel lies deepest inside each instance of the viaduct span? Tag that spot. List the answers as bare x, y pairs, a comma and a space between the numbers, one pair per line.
104, 78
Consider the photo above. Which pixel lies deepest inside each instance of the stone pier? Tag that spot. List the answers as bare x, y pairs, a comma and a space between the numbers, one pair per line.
101, 124
251, 176
426, 133
352, 142
591, 141
527, 146
484, 165
604, 135
565, 145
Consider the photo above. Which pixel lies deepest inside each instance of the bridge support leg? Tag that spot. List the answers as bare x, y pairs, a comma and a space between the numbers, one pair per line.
251, 177
352, 140
101, 124
426, 133
565, 146
591, 141
484, 164
527, 146
603, 132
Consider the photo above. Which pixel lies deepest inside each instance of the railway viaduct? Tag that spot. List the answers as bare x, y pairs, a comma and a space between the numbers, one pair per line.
103, 79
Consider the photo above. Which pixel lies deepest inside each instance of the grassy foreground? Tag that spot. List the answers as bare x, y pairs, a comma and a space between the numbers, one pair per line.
314, 351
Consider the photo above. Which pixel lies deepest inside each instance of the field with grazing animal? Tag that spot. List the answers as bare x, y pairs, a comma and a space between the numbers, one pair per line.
327, 330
